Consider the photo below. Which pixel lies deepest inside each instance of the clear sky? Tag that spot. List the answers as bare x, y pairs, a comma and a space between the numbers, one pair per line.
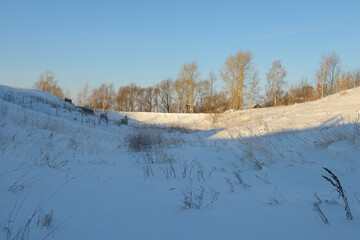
147, 41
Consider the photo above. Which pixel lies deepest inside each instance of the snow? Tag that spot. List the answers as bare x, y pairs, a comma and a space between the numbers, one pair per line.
257, 169
322, 112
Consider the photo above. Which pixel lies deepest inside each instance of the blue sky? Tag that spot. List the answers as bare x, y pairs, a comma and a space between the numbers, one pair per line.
147, 41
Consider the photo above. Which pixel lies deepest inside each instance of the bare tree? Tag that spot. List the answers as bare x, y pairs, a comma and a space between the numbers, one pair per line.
275, 81
181, 97
203, 90
47, 83
82, 95
188, 76
301, 92
217, 103
149, 100
356, 78
134, 93
122, 99
334, 71
166, 94
234, 73
344, 82
156, 99
130, 98
102, 97
253, 87
322, 75
93, 99
328, 76
106, 95
141, 99
212, 80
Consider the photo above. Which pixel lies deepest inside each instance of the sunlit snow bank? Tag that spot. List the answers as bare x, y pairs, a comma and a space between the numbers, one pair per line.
341, 107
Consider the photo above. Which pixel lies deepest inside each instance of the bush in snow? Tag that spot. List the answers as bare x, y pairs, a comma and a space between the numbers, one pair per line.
125, 120
195, 198
147, 137
144, 140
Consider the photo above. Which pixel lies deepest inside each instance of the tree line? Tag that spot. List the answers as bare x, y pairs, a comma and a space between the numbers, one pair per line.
188, 93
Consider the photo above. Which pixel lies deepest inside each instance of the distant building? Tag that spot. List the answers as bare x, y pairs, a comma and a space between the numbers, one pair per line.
68, 100
256, 106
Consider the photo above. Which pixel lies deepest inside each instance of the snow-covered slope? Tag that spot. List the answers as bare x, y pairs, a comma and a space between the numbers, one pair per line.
252, 174
328, 110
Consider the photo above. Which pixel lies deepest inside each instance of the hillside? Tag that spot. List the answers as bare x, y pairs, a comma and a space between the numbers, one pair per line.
328, 110
251, 174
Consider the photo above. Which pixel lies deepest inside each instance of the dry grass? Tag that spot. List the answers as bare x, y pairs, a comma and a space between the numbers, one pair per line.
339, 131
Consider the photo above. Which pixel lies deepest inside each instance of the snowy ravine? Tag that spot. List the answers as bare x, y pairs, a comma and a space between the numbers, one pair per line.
251, 174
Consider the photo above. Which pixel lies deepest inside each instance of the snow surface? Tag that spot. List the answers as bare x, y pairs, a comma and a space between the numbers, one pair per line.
257, 171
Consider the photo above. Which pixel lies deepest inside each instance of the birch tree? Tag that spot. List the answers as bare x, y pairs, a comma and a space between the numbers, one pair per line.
328, 75
253, 87
234, 73
102, 97
181, 97
334, 71
48, 84
187, 77
212, 80
321, 76
83, 94
275, 81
